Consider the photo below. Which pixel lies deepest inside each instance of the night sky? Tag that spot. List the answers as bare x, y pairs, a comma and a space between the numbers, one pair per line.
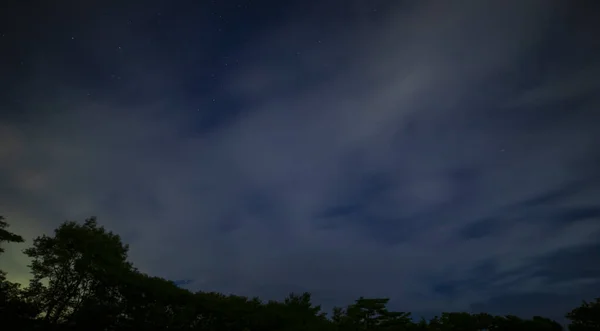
445, 154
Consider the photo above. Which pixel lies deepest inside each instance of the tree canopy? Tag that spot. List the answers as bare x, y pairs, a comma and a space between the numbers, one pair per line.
7, 236
82, 280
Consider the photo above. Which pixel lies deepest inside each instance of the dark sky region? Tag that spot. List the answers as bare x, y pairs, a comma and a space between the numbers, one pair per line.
441, 153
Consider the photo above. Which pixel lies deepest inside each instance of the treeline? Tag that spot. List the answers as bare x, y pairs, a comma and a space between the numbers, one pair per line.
82, 280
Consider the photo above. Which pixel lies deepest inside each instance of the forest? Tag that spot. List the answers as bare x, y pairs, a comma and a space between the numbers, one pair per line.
82, 280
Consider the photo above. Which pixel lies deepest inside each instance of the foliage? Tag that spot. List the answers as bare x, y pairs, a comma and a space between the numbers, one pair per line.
585, 317
82, 280
13, 308
7, 236
80, 265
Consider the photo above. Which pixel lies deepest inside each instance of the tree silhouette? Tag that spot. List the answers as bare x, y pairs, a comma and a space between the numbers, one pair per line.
83, 281
13, 309
7, 236
585, 317
79, 265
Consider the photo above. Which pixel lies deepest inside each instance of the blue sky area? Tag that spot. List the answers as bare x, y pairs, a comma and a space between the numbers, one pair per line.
441, 153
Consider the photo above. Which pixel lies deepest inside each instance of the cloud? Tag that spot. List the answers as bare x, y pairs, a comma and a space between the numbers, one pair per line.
381, 161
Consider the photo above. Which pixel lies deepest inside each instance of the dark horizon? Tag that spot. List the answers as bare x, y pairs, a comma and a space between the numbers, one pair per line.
442, 154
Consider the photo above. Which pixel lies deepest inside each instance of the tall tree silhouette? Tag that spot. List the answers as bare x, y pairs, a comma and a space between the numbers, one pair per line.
76, 266
13, 309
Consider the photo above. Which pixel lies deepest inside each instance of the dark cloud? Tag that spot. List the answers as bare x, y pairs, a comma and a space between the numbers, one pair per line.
441, 154
482, 228
577, 265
